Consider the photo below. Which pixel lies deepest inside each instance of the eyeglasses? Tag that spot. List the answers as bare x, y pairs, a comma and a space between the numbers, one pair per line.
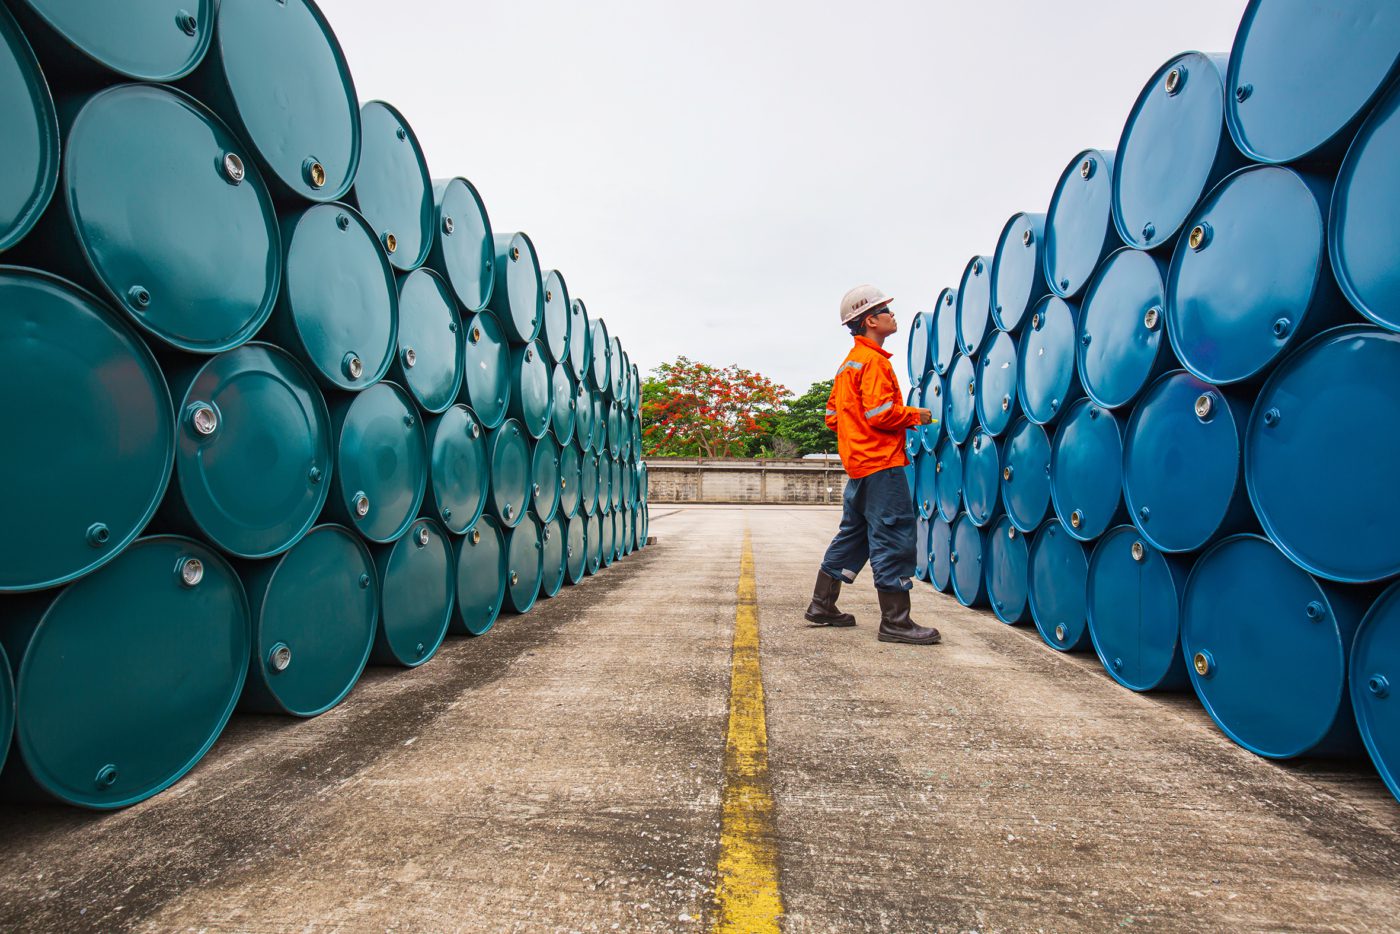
887, 310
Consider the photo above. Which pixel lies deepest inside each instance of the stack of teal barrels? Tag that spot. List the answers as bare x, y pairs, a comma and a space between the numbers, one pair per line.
276, 402
1171, 402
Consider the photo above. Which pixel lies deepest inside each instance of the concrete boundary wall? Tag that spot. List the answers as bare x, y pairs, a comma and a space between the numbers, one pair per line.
715, 480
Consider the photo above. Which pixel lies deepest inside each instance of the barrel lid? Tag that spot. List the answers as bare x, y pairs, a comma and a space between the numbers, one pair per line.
339, 304
381, 461
1086, 470
617, 369
600, 423
458, 477
1300, 74
961, 395
1018, 271
949, 467
974, 304
576, 548
1059, 572
564, 404
1266, 655
921, 548
1008, 564
982, 478
518, 295
544, 478
605, 503
1025, 475
570, 480
945, 330
463, 247
553, 547
615, 487
614, 429
1373, 683
1133, 602
1046, 379
393, 188
1368, 187
583, 416
608, 539
1181, 428
558, 317
592, 544
917, 351
602, 356
141, 663
996, 401
309, 659
928, 394
430, 361
145, 40
1245, 280
486, 383
588, 483
1120, 327
530, 400
172, 216
417, 580
925, 479
580, 341
30, 148
624, 388
253, 454
940, 548
1079, 229
1322, 433
524, 564
967, 561
70, 357
481, 577
1168, 152
508, 452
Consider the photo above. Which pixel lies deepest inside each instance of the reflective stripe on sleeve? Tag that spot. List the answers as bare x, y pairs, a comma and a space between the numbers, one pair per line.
878, 409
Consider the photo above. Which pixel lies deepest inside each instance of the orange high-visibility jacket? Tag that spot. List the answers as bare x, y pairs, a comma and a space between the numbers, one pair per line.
866, 413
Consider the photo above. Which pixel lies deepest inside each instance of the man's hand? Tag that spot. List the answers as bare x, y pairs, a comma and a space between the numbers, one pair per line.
925, 417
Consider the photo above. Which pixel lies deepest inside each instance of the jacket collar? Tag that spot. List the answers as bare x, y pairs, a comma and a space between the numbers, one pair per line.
862, 339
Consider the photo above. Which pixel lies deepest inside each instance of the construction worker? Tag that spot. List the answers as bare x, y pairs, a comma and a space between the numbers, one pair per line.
877, 512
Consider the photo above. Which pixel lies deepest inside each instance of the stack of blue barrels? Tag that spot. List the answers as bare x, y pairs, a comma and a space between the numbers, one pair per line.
1171, 402
276, 403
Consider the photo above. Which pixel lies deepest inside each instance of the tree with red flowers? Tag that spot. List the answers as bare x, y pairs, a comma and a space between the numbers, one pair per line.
694, 409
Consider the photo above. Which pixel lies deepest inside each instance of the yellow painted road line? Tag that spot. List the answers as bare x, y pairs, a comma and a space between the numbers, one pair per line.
747, 899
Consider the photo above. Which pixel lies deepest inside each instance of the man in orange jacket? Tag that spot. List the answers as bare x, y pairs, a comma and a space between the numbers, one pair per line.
877, 513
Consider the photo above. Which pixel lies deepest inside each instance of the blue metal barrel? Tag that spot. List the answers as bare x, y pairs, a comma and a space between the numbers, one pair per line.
563, 404
580, 342
913, 437
921, 552
920, 344
981, 482
594, 544
381, 462
930, 396
553, 557
124, 679
30, 148
458, 476
69, 356
252, 454
1134, 608
1059, 574
393, 189
975, 304
1047, 377
1302, 74
1251, 279
1086, 471
481, 578
1122, 344
486, 384
960, 393
925, 484
570, 481
1183, 464
997, 402
142, 40
508, 454
583, 416
1373, 682
1008, 570
1367, 189
544, 478
940, 551
338, 308
162, 209
948, 468
276, 74
1268, 648
576, 548
1018, 270
463, 249
518, 296
1174, 149
945, 331
1079, 229
531, 397
306, 659
1025, 475
430, 363
556, 331
417, 587
969, 581
1322, 433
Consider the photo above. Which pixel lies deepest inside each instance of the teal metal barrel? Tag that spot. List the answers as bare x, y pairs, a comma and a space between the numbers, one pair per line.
583, 416
1025, 475
7, 705
576, 548
253, 458
1368, 183
508, 456
968, 562
945, 331
602, 356
1018, 271
1079, 229
141, 40
554, 545
545, 475
615, 482
392, 187
1133, 603
975, 304
588, 484
531, 394
486, 384
599, 442
1007, 571
29, 149
607, 540
381, 462
307, 657
555, 332
570, 481
614, 430
517, 298
594, 545
338, 309
1373, 680
481, 578
65, 353
580, 341
618, 369
458, 473
417, 588
463, 248
563, 405
1059, 575
524, 565
430, 362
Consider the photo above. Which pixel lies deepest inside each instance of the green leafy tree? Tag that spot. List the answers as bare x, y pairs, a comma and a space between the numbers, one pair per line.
802, 425
695, 409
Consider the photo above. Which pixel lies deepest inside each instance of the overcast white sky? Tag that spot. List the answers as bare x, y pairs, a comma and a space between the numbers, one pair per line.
710, 178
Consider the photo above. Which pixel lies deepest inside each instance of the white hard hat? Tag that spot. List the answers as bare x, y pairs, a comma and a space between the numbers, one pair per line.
861, 300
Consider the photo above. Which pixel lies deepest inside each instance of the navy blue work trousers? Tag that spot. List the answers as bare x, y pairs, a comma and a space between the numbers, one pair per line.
877, 525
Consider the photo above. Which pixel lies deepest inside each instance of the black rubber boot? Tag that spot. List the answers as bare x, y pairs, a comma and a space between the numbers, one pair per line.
895, 624
823, 611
